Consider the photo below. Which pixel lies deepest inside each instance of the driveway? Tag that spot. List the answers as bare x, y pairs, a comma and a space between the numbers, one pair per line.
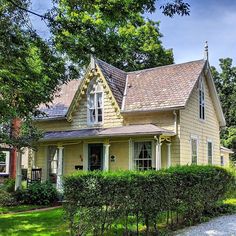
220, 226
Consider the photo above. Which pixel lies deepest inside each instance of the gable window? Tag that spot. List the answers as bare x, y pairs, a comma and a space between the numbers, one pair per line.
4, 162
143, 155
194, 149
209, 153
222, 160
95, 104
201, 100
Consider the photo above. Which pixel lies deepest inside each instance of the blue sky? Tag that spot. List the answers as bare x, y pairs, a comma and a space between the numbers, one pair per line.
210, 20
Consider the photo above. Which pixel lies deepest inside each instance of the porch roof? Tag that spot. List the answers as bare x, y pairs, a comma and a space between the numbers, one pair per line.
131, 130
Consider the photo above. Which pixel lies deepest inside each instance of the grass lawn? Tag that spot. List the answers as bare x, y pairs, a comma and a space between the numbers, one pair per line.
10, 209
48, 222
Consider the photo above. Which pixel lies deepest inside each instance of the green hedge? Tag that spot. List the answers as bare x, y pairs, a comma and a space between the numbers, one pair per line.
95, 202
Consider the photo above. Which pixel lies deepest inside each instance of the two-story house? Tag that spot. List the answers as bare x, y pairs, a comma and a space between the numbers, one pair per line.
147, 119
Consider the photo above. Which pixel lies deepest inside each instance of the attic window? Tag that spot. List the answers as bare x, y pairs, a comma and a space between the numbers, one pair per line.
201, 100
95, 104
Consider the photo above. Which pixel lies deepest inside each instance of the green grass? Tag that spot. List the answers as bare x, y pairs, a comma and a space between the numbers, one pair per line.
48, 222
10, 209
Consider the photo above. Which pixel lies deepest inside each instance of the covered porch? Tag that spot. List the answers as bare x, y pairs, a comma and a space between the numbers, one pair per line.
136, 147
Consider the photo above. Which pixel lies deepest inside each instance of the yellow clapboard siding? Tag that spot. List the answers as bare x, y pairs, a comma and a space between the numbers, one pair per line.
190, 124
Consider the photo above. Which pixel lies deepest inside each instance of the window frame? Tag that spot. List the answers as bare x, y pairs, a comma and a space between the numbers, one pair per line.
93, 90
194, 137
201, 99
134, 159
209, 141
52, 176
7, 162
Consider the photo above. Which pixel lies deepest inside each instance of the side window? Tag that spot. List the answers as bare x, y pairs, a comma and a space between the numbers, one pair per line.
194, 150
222, 160
4, 162
201, 100
209, 153
52, 163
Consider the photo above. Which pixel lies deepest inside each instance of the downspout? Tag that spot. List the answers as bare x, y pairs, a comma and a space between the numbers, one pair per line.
175, 122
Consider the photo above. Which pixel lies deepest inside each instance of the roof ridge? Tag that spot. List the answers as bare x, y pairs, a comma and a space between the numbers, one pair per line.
159, 67
97, 59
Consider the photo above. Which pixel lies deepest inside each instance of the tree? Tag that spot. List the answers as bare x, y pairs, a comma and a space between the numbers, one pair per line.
115, 31
225, 81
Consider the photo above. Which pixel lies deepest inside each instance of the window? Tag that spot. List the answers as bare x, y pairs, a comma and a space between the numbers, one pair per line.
201, 100
209, 152
222, 160
143, 155
4, 162
95, 104
194, 149
52, 163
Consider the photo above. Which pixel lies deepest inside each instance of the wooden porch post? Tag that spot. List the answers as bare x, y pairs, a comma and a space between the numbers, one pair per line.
168, 155
158, 155
18, 171
60, 168
130, 154
106, 156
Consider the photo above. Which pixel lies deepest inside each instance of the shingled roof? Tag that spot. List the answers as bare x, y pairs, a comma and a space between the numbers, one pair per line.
62, 100
115, 78
161, 87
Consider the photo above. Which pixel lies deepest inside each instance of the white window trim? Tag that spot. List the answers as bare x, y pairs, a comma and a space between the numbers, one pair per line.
7, 163
95, 103
212, 151
201, 86
195, 137
133, 151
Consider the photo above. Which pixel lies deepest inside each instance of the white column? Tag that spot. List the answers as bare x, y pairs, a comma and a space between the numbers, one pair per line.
158, 155
85, 156
60, 168
131, 154
18, 171
168, 155
106, 157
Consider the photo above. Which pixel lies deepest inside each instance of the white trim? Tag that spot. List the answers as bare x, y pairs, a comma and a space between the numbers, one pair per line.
7, 162
131, 151
85, 156
212, 151
201, 99
125, 93
168, 155
106, 157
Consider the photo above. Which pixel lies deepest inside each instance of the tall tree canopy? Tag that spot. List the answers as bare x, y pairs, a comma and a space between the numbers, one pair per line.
30, 70
225, 81
115, 31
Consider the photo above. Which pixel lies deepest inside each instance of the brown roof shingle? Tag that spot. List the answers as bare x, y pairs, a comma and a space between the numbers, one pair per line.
161, 87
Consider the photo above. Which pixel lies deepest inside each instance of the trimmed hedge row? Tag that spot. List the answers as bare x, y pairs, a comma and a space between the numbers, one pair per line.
95, 202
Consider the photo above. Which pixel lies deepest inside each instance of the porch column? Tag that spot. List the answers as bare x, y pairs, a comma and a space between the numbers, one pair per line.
168, 155
130, 154
158, 155
106, 156
60, 168
18, 171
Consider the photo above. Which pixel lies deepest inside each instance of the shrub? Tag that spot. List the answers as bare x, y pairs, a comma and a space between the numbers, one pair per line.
39, 194
9, 185
127, 197
6, 199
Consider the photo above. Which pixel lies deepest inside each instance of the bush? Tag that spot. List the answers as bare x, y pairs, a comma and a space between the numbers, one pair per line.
6, 199
9, 185
38, 194
126, 198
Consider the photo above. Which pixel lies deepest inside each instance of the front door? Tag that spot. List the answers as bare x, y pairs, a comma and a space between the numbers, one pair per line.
95, 156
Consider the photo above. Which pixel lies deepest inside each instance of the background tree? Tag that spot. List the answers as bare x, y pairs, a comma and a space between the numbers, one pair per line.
115, 31
225, 81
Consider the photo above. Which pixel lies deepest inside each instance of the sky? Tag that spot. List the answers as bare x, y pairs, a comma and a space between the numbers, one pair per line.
210, 20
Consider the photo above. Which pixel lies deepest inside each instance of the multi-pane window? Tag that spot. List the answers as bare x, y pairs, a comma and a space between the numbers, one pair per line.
201, 100
4, 162
222, 160
95, 104
209, 152
194, 150
143, 155
52, 163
